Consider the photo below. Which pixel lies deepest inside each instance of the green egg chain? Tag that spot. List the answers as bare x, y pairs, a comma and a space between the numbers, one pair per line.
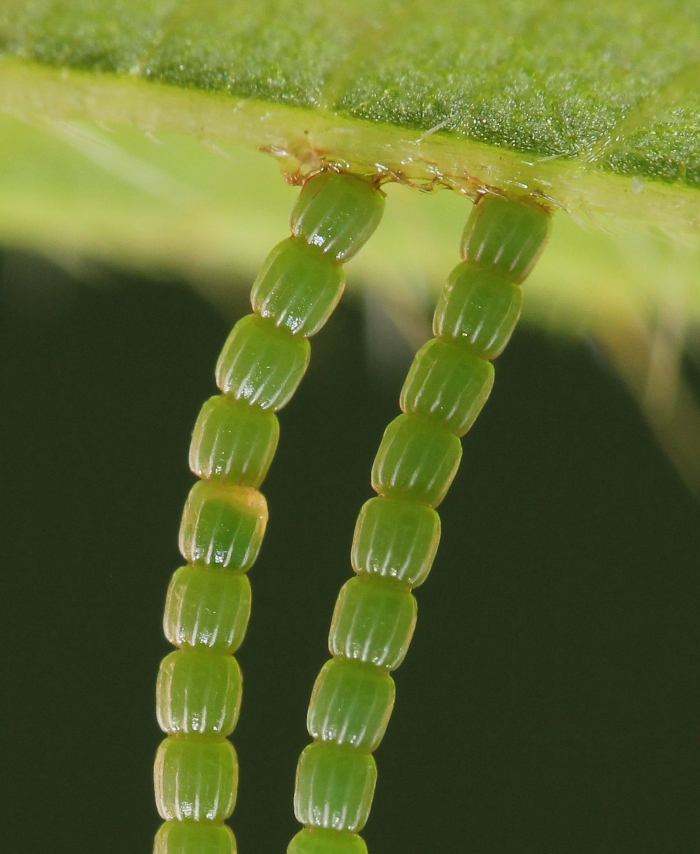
448, 385
298, 287
196, 780
318, 840
222, 525
261, 363
505, 237
478, 307
233, 442
199, 686
372, 623
184, 837
207, 607
417, 460
351, 704
396, 539
397, 533
337, 213
334, 787
198, 693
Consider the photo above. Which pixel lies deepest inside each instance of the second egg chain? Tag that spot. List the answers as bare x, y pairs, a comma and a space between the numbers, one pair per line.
397, 532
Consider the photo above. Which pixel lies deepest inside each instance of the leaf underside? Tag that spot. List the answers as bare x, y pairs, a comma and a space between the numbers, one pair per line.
594, 106
612, 83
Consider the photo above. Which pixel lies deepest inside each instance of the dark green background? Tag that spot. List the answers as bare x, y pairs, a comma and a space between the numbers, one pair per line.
550, 700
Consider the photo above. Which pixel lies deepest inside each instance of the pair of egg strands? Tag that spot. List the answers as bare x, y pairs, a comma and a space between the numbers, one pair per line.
262, 363
631, 157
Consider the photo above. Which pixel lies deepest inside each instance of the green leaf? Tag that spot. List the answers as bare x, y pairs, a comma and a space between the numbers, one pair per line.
613, 82
594, 106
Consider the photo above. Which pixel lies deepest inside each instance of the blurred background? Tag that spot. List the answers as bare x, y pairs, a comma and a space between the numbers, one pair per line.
550, 701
